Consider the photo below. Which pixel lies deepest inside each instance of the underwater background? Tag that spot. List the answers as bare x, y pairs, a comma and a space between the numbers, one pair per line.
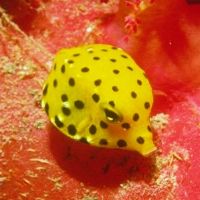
37, 162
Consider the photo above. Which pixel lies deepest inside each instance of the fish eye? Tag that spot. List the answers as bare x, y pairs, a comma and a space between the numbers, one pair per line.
112, 116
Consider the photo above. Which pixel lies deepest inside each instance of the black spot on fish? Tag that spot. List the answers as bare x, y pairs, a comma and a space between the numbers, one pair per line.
64, 97
115, 89
130, 68
139, 82
95, 97
79, 104
133, 94
92, 129
116, 71
103, 142
46, 108
55, 83
71, 130
96, 58
84, 140
124, 56
149, 128
45, 89
71, 81
97, 82
113, 60
76, 54
103, 124
63, 69
85, 69
70, 61
147, 105
140, 140
66, 111
58, 123
126, 126
121, 143
136, 117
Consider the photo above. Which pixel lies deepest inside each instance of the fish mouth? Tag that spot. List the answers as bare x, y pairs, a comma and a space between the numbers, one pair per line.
149, 151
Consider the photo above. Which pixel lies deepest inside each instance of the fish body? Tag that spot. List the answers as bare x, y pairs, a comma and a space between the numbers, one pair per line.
98, 95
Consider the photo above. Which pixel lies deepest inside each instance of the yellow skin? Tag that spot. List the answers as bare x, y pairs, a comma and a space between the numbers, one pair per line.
98, 95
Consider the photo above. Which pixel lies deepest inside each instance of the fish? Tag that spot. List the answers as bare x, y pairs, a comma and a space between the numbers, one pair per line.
98, 95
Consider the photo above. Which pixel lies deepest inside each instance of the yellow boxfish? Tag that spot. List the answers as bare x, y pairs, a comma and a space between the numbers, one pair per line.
98, 95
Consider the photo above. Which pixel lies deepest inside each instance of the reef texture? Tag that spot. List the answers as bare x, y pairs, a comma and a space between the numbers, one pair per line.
37, 162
